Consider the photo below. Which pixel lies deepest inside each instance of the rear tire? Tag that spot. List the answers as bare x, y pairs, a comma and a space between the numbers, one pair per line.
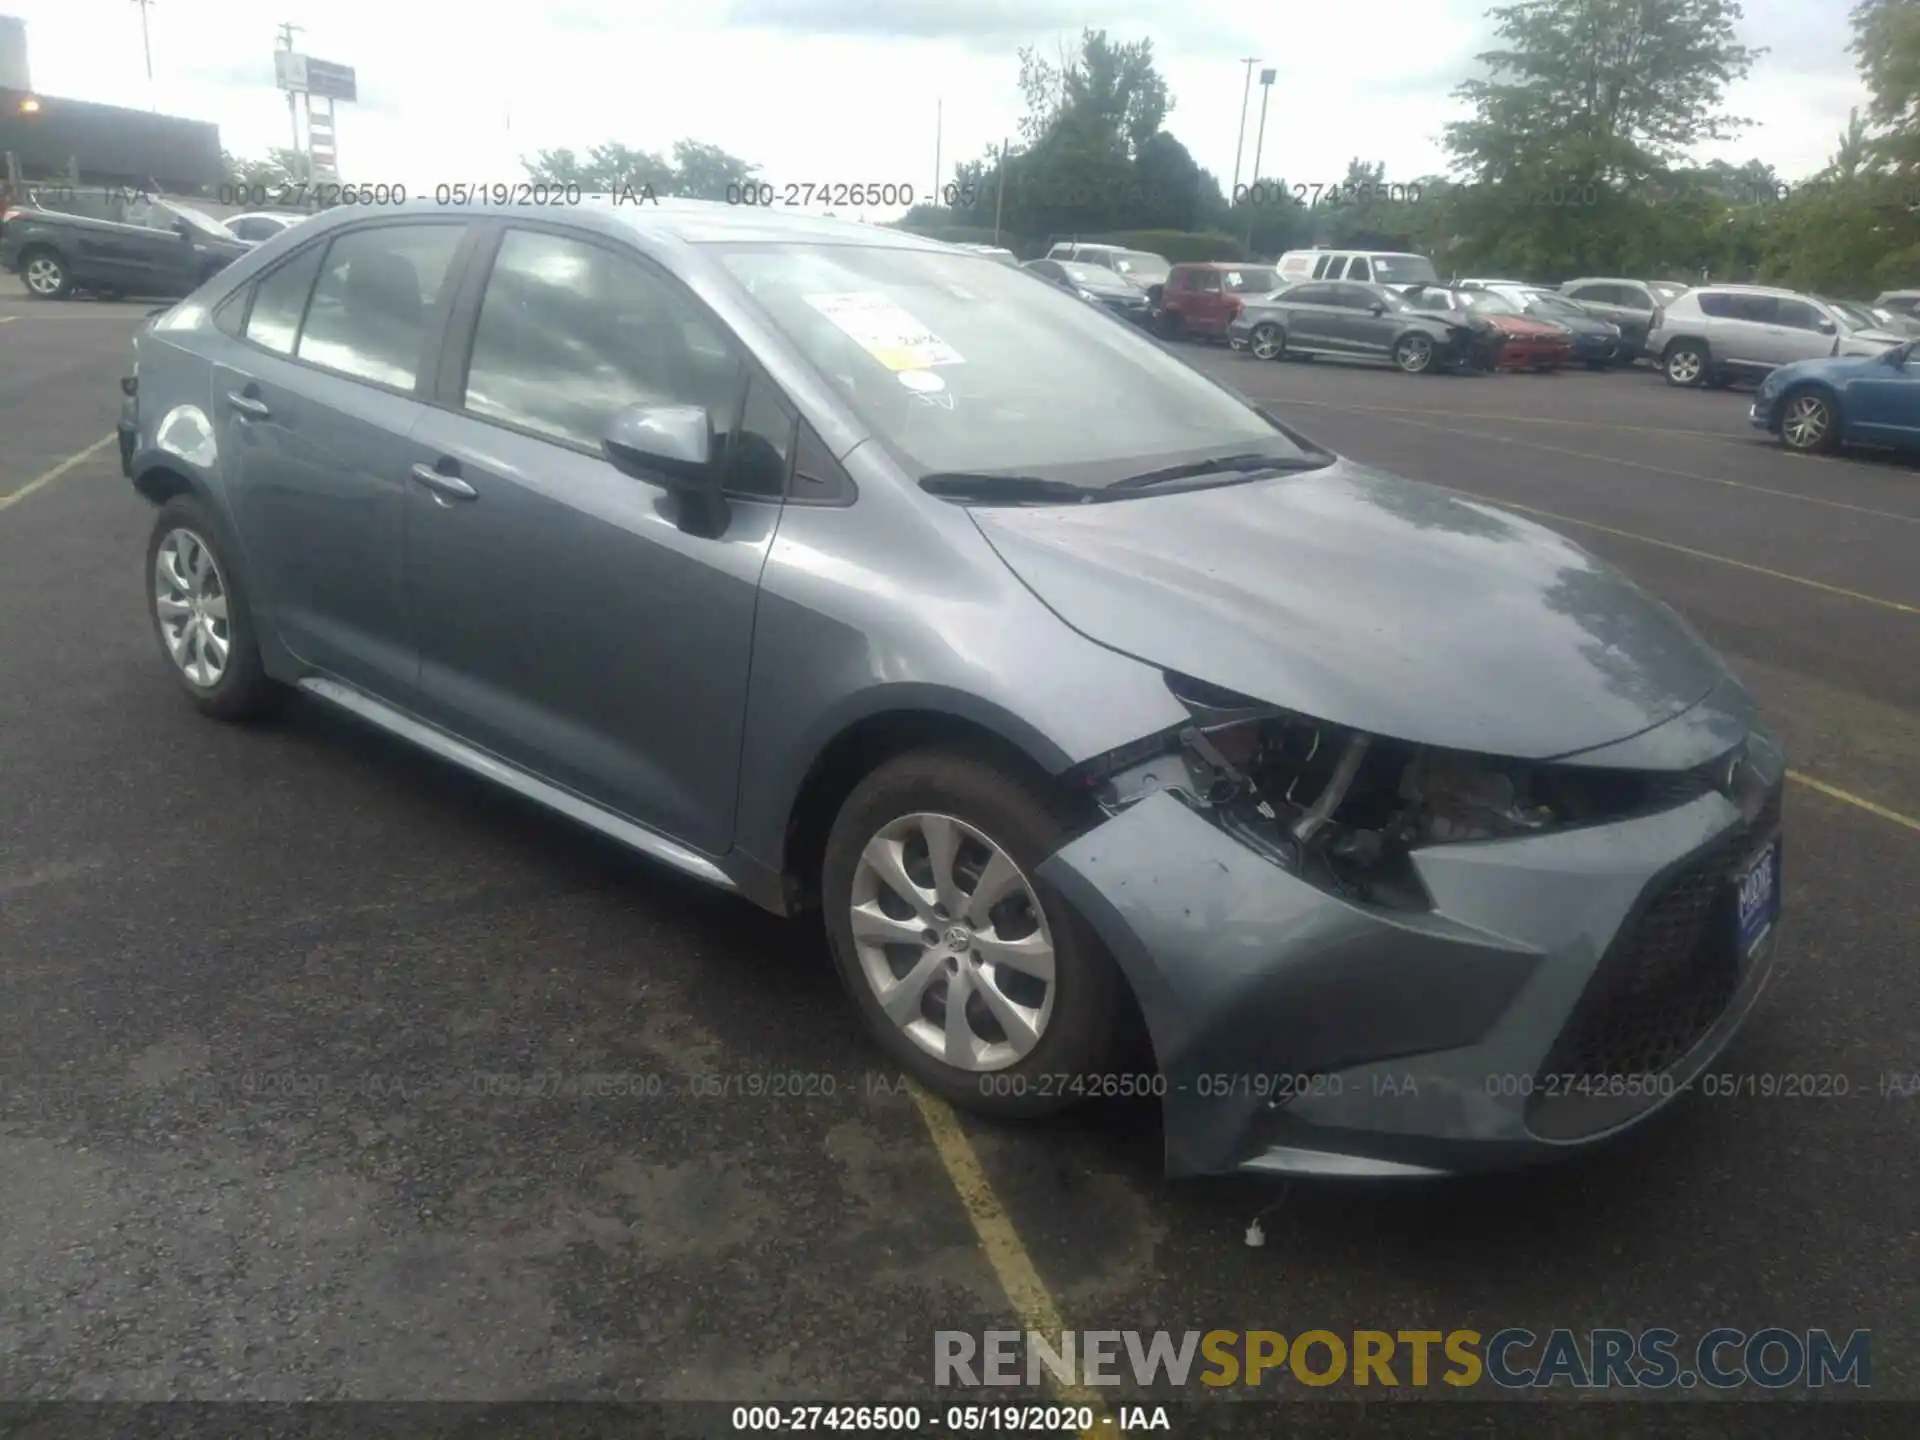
997, 829
201, 616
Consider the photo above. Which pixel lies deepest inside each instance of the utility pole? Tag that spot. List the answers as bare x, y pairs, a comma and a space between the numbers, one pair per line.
287, 28
1000, 192
1259, 144
938, 106
146, 43
1239, 144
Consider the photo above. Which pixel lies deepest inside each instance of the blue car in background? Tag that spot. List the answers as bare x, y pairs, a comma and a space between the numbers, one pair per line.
1818, 405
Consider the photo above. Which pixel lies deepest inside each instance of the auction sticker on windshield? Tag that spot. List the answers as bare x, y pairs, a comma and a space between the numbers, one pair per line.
885, 331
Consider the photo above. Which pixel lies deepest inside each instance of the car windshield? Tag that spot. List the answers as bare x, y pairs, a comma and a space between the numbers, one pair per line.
1252, 281
198, 219
1666, 292
963, 367
1488, 302
1854, 317
1139, 265
1403, 270
1552, 304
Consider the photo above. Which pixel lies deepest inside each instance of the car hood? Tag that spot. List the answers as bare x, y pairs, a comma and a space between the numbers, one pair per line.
1368, 601
1524, 325
1584, 325
1826, 367
1873, 337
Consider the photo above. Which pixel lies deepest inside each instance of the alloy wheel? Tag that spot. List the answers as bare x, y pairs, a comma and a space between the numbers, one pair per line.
1413, 354
190, 599
1807, 422
1266, 343
953, 942
44, 276
1684, 367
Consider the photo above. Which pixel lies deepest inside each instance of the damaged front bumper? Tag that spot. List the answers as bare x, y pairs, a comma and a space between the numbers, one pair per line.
1560, 988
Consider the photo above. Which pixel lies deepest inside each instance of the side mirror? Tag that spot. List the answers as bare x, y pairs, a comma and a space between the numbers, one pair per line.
1899, 355
671, 445
182, 229
1826, 327
1378, 307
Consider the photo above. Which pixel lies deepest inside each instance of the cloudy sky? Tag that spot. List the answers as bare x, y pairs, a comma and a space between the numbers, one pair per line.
842, 91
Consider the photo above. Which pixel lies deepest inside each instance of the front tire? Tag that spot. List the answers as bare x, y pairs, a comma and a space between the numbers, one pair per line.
1268, 342
201, 617
1685, 365
931, 896
45, 275
1808, 423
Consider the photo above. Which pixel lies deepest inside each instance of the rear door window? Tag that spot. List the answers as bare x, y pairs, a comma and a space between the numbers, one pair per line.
280, 300
369, 312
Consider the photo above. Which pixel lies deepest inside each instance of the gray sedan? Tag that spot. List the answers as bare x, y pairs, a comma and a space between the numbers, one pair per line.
1354, 321
872, 582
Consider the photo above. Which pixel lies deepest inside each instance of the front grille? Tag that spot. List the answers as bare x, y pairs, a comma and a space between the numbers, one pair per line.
1668, 976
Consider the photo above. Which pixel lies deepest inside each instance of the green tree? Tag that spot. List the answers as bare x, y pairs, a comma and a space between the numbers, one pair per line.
706, 172
281, 165
603, 169
1886, 43
1587, 108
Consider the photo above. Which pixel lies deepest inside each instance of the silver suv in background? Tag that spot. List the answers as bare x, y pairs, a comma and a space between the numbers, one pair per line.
1633, 305
1720, 333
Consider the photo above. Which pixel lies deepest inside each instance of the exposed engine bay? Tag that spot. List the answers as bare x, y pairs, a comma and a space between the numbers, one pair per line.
1343, 809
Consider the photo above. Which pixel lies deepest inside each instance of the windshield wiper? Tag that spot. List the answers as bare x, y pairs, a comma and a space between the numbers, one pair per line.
1222, 465
1006, 489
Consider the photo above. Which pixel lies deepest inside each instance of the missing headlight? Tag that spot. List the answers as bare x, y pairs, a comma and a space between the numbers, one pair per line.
1345, 810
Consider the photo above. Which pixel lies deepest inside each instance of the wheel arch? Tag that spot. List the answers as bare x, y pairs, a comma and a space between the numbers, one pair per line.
160, 482
861, 743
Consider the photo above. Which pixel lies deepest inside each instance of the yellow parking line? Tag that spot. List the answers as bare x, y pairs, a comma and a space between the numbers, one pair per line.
1032, 1302
56, 472
1847, 797
1617, 460
1689, 550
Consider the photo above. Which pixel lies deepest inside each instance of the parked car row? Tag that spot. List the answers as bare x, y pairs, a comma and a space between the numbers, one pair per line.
110, 241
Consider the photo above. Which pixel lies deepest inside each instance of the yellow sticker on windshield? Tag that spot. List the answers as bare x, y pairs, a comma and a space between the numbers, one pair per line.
885, 331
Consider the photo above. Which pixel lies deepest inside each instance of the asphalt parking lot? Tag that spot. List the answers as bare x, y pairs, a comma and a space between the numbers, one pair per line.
272, 1002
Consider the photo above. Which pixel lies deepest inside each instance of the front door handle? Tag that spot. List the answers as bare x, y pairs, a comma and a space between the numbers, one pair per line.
247, 405
445, 487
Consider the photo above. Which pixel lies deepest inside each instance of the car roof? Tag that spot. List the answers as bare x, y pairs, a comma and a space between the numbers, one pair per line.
1755, 290
691, 222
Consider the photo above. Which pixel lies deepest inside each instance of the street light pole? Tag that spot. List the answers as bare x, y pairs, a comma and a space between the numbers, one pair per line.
1240, 142
146, 44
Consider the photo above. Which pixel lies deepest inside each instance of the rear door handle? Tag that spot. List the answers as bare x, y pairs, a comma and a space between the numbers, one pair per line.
445, 487
247, 405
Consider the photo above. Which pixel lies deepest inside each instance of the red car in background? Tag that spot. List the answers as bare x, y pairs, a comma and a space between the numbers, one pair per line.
1201, 299
1517, 342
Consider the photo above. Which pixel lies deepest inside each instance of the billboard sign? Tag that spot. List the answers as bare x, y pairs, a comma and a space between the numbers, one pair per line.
303, 74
